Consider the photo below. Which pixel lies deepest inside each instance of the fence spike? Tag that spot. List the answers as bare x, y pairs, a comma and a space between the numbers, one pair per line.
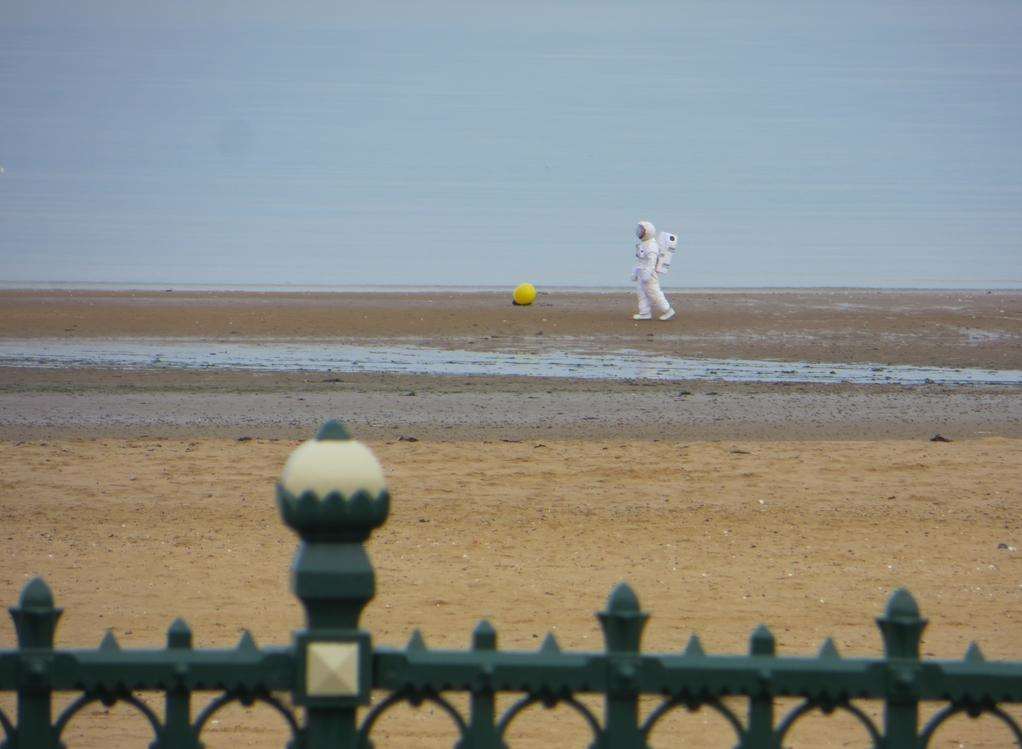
902, 605
179, 634
247, 642
829, 650
974, 654
623, 599
550, 644
333, 430
901, 626
36, 595
109, 642
694, 649
484, 636
762, 641
416, 643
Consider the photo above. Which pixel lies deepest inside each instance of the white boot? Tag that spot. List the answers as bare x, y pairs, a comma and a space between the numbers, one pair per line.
642, 316
668, 314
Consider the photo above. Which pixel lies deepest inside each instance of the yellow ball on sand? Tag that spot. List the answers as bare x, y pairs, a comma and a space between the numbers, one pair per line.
525, 294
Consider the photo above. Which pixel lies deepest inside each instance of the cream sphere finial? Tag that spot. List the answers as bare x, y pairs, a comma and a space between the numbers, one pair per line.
332, 462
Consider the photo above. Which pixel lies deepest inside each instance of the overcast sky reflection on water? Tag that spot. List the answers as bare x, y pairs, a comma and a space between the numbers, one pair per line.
789, 143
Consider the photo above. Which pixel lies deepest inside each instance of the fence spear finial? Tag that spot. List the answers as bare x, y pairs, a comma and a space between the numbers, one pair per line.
829, 650
762, 641
109, 642
416, 643
550, 644
179, 634
694, 648
484, 636
902, 626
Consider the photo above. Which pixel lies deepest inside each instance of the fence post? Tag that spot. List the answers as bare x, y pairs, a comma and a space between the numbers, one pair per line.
622, 624
177, 722
35, 622
332, 494
482, 727
759, 733
902, 630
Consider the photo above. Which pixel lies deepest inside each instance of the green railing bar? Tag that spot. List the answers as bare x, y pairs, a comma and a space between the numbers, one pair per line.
271, 669
717, 675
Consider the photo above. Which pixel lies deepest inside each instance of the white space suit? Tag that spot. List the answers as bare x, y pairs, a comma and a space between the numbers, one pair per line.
646, 273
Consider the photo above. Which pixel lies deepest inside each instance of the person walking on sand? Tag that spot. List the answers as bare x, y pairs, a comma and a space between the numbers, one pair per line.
647, 273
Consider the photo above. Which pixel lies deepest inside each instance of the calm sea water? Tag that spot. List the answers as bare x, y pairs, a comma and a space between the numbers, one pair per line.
795, 143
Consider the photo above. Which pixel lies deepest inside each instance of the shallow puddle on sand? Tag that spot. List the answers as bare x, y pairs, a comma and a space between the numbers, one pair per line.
406, 359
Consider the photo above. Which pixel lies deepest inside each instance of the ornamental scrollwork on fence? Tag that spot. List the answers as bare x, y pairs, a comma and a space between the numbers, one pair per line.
693, 706
973, 710
548, 701
827, 708
247, 699
108, 699
415, 698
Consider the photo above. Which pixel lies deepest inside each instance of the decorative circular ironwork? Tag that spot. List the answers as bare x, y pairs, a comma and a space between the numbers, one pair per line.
810, 705
952, 710
6, 724
88, 698
667, 705
411, 697
226, 699
532, 699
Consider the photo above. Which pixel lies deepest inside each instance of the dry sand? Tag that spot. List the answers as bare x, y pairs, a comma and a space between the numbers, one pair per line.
808, 537
800, 507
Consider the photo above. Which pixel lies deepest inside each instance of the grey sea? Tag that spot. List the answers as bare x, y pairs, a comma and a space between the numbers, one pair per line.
787, 143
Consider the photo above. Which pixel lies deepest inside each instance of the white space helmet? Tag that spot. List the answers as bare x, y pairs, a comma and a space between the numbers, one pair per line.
645, 230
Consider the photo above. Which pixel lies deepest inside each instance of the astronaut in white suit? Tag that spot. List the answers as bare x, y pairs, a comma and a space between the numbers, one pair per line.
651, 259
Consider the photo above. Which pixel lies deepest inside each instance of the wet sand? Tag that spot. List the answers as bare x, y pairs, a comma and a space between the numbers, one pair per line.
943, 328
40, 404
925, 328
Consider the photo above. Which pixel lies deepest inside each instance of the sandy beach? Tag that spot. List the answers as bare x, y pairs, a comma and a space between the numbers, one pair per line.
949, 328
808, 537
147, 494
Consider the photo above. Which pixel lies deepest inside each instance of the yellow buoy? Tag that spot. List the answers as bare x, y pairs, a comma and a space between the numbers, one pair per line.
525, 293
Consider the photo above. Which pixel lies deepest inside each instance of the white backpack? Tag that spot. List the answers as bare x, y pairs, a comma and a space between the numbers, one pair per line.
668, 244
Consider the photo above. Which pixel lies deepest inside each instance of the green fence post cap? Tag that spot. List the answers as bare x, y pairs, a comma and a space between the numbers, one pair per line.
333, 430
36, 595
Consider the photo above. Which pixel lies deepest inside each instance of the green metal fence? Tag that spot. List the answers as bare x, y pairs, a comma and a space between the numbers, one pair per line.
331, 667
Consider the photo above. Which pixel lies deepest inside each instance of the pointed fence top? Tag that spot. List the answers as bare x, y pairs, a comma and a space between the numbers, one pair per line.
974, 654
762, 641
902, 626
694, 647
902, 606
109, 642
550, 644
247, 642
829, 650
623, 621
623, 600
484, 636
179, 634
416, 642
36, 595
333, 430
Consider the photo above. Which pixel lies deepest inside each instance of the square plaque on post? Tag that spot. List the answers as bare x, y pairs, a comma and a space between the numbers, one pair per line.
334, 668
331, 669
